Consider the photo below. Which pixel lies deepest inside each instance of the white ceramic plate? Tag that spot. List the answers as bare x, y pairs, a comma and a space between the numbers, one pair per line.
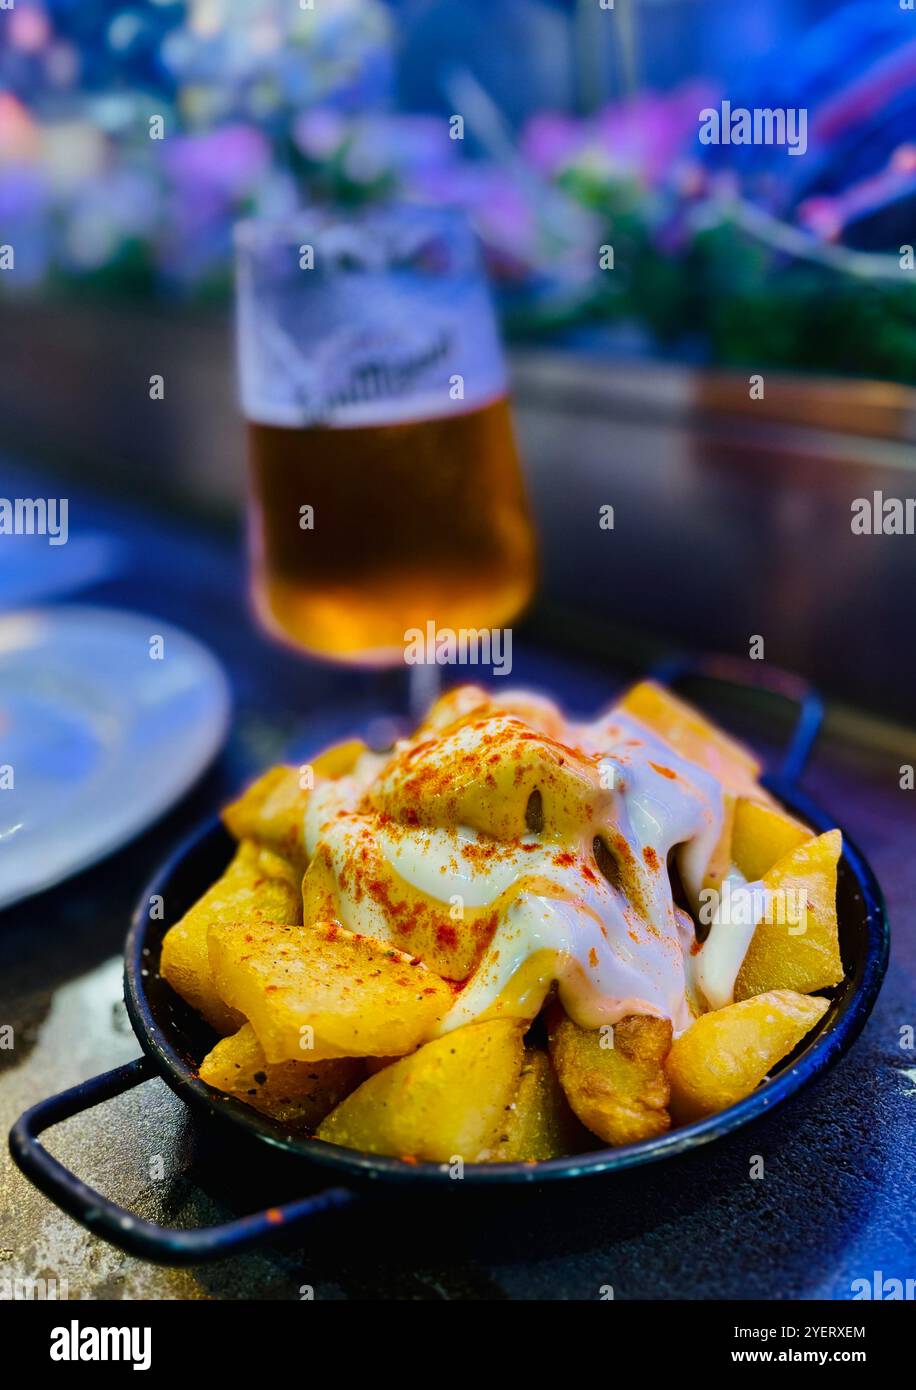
101, 738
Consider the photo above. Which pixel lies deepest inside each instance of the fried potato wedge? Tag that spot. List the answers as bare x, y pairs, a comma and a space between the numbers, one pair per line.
466, 703
297, 1094
483, 774
539, 1122
725, 1054
352, 881
271, 811
762, 835
453, 706
691, 735
445, 1101
339, 759
798, 948
256, 887
720, 861
319, 991
618, 1091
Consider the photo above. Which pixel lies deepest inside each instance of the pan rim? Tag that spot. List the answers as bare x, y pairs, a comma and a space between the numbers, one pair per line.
840, 1027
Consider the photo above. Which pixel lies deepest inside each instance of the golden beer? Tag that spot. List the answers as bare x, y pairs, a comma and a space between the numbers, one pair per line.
386, 493
361, 532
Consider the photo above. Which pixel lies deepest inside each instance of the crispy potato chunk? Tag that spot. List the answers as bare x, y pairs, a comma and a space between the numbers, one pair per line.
320, 991
619, 1092
761, 835
482, 774
720, 860
256, 887
792, 950
454, 706
340, 759
351, 881
271, 811
297, 1094
466, 703
725, 1055
445, 1101
695, 738
539, 1122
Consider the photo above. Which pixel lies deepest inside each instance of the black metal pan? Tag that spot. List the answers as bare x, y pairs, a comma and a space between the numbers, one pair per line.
174, 1040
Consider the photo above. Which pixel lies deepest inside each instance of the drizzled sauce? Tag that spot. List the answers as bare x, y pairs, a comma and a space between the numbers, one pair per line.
615, 943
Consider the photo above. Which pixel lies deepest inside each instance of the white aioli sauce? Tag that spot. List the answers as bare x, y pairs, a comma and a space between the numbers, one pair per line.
612, 950
739, 908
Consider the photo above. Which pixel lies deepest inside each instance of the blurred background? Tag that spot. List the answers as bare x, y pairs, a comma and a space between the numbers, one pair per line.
132, 137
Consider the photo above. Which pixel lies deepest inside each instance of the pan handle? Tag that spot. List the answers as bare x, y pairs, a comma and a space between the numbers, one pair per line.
771, 680
144, 1238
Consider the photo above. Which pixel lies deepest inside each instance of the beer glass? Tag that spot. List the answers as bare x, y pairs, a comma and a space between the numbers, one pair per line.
386, 491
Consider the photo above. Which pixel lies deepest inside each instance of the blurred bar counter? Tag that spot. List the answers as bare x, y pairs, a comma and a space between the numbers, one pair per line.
732, 516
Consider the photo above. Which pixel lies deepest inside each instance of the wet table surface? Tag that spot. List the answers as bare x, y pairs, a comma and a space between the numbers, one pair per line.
836, 1200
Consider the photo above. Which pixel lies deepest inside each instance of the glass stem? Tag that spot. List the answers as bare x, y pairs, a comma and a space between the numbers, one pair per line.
424, 684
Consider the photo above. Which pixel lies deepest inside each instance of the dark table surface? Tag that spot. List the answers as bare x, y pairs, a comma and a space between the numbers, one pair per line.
836, 1202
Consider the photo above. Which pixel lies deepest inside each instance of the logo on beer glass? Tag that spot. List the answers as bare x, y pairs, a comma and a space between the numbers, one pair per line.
375, 373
